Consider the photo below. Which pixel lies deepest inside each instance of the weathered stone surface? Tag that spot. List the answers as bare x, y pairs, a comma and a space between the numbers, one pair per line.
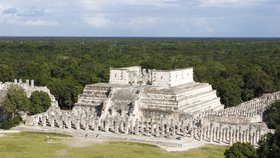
28, 87
158, 104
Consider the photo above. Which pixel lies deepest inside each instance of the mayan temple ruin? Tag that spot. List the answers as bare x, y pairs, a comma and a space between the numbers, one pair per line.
165, 107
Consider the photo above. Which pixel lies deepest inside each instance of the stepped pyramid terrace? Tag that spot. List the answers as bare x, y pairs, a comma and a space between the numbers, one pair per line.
133, 93
163, 107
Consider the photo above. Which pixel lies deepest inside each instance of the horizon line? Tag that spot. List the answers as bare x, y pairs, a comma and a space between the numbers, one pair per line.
21, 36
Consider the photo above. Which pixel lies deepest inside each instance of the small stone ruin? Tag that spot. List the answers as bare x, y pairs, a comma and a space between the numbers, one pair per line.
29, 87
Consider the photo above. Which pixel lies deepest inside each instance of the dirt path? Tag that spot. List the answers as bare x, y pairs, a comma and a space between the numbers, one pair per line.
8, 131
80, 142
4, 132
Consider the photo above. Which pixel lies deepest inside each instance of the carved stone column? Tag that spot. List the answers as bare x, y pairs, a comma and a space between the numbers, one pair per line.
77, 124
162, 129
200, 133
106, 126
69, 123
86, 124
230, 136
96, 129
192, 133
60, 122
173, 129
152, 128
136, 127
184, 131
220, 133
167, 128
116, 127
122, 128
44, 121
157, 130
51, 119
203, 131
126, 130
210, 133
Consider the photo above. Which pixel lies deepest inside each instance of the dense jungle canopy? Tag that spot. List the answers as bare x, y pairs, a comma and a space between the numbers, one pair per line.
239, 69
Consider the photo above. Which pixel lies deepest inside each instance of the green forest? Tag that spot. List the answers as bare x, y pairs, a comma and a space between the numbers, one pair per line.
239, 69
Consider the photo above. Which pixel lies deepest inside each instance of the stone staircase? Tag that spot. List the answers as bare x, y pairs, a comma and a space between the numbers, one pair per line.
191, 97
93, 95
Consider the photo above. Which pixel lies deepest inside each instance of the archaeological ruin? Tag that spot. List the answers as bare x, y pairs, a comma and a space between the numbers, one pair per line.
154, 106
28, 86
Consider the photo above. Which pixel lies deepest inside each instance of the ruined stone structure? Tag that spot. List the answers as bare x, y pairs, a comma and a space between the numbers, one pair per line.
158, 104
29, 87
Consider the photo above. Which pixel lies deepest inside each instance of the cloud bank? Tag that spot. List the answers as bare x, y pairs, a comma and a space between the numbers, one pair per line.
194, 18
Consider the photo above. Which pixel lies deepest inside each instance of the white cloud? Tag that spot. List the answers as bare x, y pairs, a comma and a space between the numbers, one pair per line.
202, 23
32, 11
100, 4
139, 17
230, 3
10, 11
140, 23
99, 21
9, 19
40, 22
135, 23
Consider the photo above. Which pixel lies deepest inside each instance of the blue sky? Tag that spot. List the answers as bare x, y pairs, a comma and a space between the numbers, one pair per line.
156, 18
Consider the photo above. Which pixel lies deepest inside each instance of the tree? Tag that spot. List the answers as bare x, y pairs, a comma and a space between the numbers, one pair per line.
247, 94
229, 91
15, 101
258, 81
66, 92
241, 150
6, 73
7, 124
269, 146
39, 102
272, 115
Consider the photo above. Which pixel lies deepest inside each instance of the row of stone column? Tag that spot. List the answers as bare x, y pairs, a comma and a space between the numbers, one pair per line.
247, 109
227, 135
141, 127
216, 133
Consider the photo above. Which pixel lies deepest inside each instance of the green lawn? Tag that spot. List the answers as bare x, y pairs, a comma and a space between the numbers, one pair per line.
32, 145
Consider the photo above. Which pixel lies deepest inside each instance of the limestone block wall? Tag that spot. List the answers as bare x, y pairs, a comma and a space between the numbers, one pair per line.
120, 76
189, 98
127, 75
179, 77
250, 109
163, 102
172, 77
29, 88
136, 76
161, 78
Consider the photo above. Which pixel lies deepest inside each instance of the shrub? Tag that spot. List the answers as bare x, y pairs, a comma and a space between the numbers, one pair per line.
39, 102
241, 150
8, 124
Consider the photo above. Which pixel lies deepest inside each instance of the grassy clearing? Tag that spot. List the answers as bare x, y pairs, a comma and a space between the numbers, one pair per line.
32, 145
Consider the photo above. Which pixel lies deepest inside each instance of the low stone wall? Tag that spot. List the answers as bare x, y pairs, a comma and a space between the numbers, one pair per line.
247, 109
